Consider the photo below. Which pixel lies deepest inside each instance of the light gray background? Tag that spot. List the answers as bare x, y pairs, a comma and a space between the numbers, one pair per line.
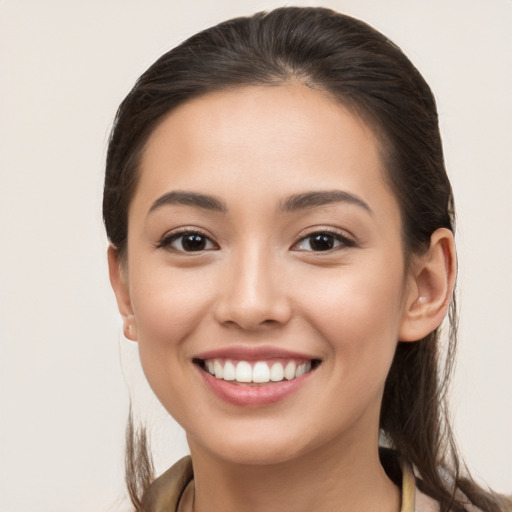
65, 369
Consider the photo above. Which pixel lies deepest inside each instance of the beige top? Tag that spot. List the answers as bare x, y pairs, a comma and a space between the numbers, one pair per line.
165, 492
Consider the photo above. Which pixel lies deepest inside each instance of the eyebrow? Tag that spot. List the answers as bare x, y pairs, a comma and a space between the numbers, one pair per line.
322, 198
189, 199
293, 203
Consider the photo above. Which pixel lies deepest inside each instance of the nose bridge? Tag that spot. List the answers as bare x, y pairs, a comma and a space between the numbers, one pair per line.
253, 294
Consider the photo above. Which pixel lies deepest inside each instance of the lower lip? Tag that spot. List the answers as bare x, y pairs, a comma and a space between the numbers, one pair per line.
253, 396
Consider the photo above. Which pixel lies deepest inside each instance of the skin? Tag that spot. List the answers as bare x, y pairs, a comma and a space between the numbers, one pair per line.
259, 283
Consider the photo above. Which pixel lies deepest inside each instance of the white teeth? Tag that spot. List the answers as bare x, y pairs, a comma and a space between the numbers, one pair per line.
276, 372
243, 372
218, 369
259, 372
289, 371
229, 371
303, 368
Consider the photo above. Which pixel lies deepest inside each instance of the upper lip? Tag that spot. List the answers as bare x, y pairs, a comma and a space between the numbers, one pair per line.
244, 353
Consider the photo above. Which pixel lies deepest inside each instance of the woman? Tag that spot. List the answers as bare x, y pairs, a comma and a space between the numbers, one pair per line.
281, 229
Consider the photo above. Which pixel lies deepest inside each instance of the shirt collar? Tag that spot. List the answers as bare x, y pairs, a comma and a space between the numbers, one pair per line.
165, 492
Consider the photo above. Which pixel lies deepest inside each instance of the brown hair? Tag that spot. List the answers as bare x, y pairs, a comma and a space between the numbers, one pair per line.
371, 76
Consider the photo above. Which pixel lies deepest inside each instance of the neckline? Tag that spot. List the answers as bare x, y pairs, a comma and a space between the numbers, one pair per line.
165, 493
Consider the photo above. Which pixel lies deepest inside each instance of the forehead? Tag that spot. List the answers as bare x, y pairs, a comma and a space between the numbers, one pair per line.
262, 141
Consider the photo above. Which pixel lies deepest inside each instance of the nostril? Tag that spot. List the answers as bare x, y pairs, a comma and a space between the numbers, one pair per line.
269, 322
253, 317
253, 297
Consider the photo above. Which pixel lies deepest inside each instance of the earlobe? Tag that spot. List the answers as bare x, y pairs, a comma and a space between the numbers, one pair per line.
430, 291
119, 281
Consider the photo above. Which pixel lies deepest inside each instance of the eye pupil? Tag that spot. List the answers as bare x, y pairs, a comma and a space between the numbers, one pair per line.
194, 242
321, 242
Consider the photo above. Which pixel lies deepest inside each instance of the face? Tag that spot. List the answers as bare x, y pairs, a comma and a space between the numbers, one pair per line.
264, 278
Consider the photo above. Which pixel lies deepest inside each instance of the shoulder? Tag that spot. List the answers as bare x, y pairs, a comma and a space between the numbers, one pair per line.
413, 500
165, 492
424, 503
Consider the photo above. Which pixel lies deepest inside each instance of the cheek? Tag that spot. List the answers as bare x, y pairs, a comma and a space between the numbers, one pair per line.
168, 305
358, 313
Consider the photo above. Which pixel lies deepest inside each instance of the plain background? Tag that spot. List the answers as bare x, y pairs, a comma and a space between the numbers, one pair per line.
65, 369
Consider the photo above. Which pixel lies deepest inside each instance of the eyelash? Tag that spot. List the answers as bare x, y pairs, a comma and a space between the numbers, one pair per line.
167, 241
344, 241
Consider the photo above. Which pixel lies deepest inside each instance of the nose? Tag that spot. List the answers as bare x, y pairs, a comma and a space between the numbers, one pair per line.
253, 292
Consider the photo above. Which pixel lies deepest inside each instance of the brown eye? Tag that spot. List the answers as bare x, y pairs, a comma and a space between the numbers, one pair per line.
193, 242
187, 241
323, 241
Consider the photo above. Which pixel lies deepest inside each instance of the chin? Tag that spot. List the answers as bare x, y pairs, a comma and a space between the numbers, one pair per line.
252, 448
258, 455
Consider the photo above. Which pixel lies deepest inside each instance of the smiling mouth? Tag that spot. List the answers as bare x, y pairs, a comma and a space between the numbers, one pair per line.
257, 372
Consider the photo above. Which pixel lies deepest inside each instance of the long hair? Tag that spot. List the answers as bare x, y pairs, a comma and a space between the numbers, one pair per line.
370, 75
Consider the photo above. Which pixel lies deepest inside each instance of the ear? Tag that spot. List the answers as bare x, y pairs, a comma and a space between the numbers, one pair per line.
430, 288
119, 280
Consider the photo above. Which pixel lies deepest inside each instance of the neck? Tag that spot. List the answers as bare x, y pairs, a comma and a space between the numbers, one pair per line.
349, 478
